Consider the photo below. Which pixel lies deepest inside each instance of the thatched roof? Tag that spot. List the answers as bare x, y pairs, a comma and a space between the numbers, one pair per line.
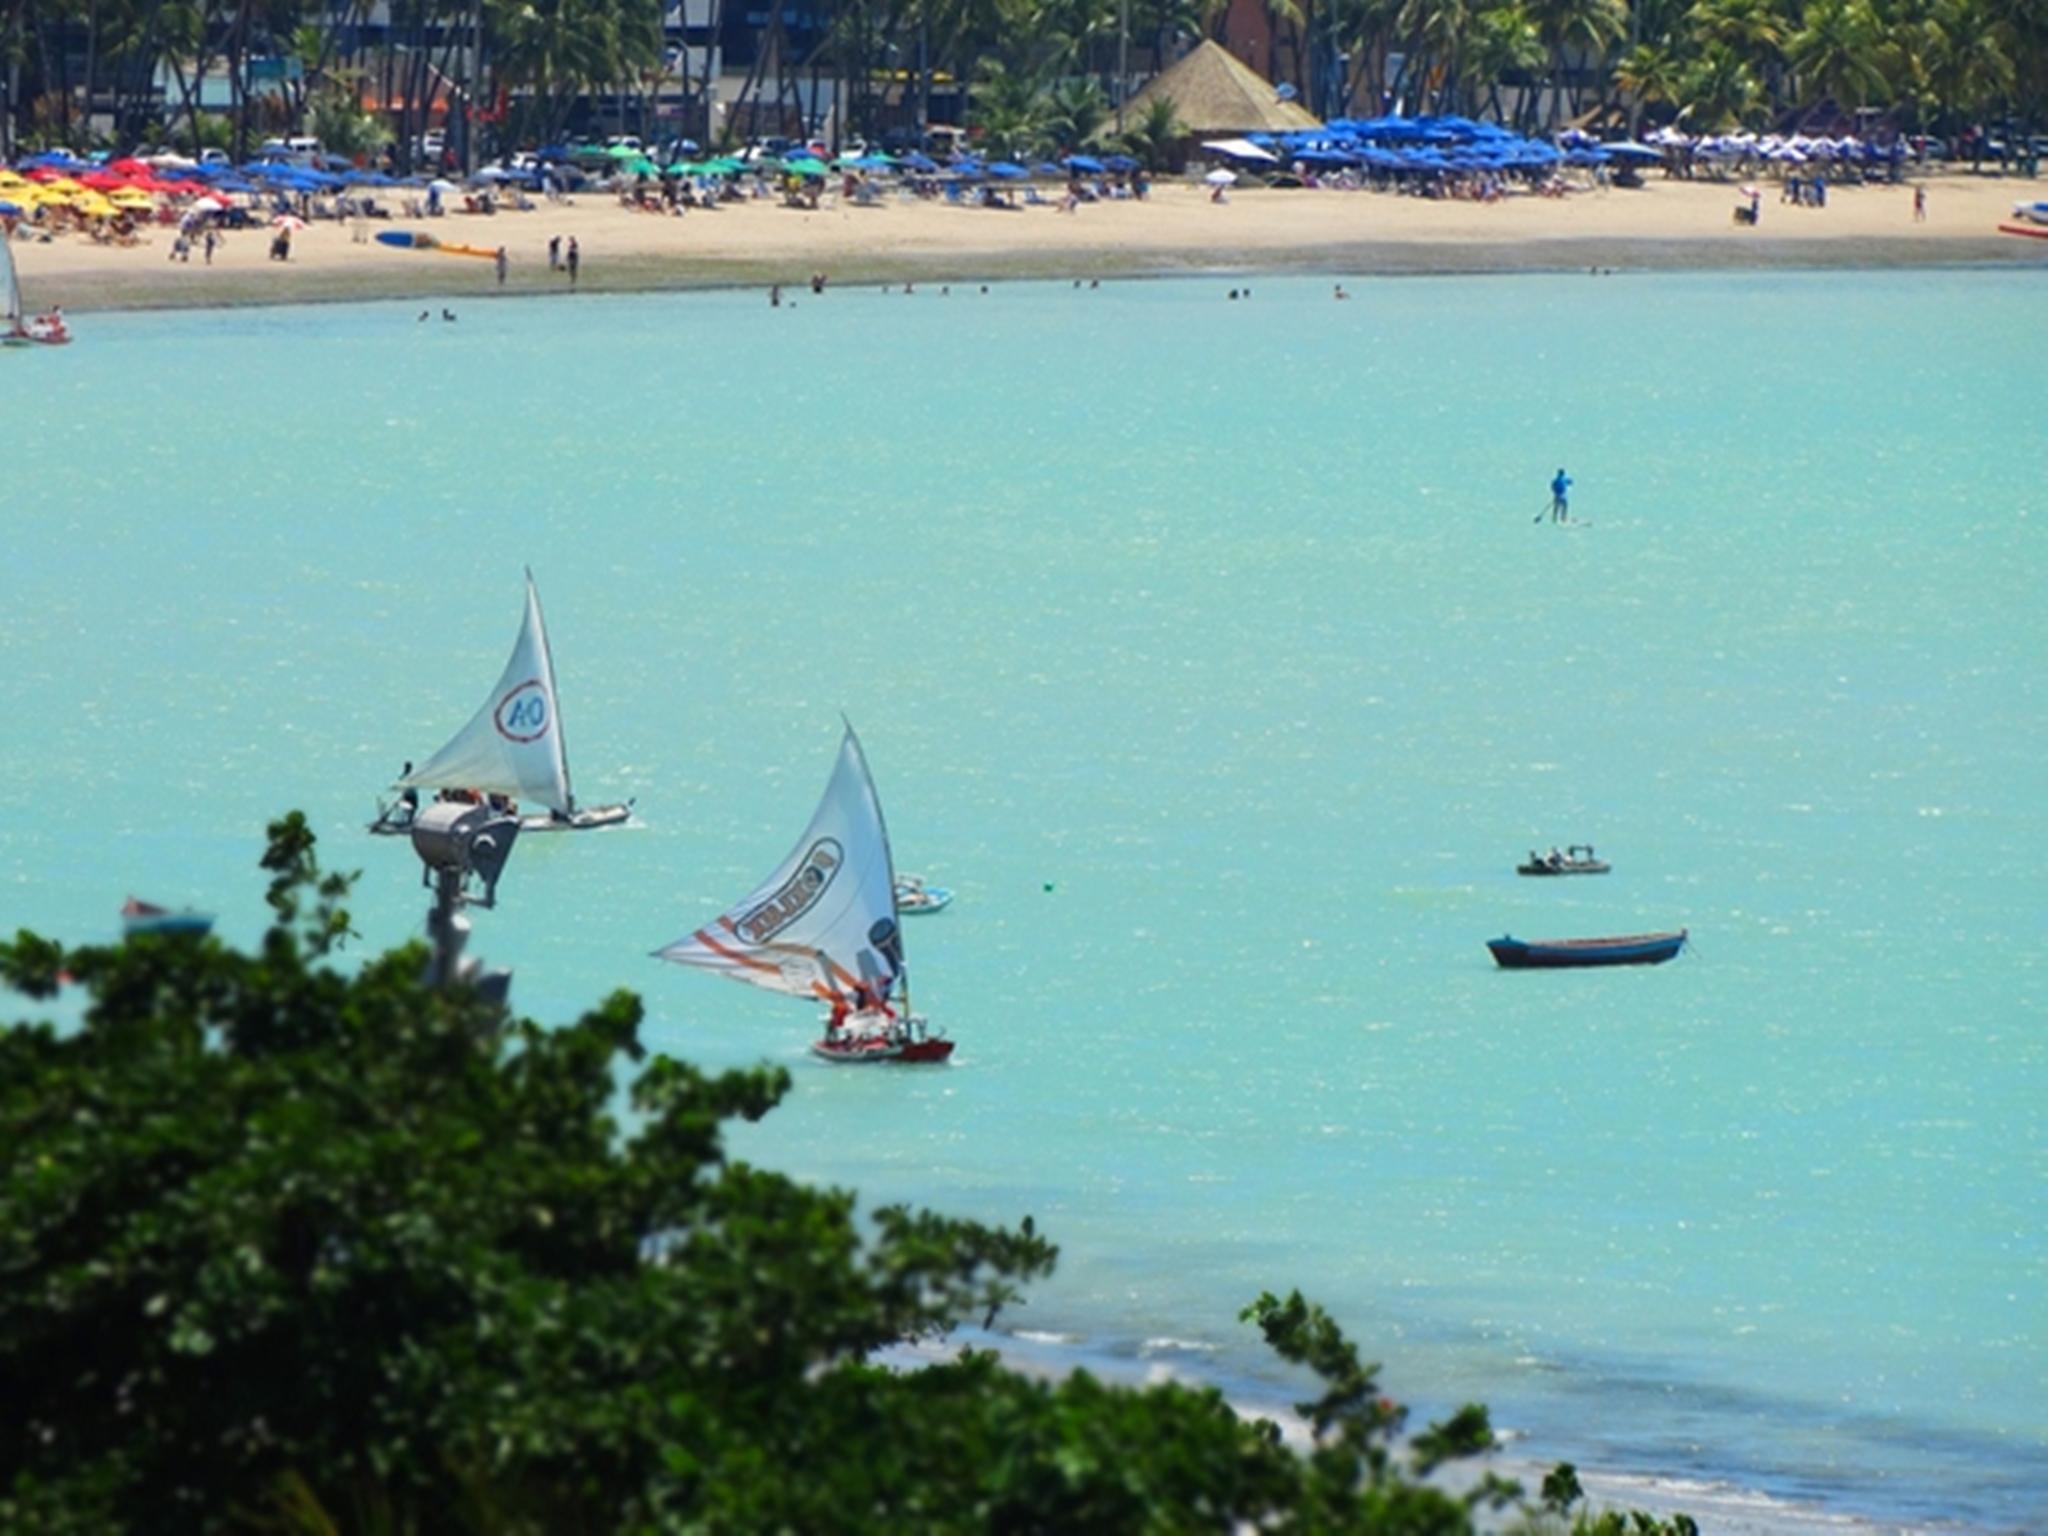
1213, 92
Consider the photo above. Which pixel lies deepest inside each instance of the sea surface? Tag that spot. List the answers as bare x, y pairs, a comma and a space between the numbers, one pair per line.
1220, 656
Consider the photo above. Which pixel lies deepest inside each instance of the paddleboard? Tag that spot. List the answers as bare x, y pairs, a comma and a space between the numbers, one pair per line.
407, 239
488, 252
2023, 229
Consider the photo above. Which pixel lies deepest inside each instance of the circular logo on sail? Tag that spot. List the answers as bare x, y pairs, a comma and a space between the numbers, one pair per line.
522, 715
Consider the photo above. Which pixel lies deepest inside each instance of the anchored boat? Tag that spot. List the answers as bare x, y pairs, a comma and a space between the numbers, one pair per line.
1578, 859
823, 927
1553, 954
512, 746
139, 916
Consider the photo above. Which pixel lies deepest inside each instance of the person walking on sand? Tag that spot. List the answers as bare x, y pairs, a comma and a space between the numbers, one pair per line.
500, 262
1560, 508
555, 253
575, 260
1919, 205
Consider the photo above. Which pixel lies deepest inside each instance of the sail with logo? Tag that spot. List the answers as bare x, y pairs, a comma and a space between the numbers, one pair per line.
823, 927
511, 748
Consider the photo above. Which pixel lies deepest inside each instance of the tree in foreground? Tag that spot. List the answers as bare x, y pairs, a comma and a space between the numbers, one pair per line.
289, 1250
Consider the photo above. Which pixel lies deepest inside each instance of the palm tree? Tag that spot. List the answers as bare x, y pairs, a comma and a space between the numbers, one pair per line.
1835, 53
1155, 135
1592, 26
1648, 72
1505, 40
1719, 90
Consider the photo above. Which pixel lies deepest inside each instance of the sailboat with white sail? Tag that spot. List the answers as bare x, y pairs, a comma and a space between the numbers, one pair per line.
512, 747
823, 927
16, 328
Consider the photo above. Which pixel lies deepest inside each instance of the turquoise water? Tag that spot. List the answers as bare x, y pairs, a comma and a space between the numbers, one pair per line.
1213, 654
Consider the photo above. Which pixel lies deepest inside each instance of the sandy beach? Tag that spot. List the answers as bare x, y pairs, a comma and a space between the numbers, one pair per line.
1665, 225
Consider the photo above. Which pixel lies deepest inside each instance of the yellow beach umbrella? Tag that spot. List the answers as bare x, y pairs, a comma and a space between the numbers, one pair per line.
93, 206
130, 197
65, 184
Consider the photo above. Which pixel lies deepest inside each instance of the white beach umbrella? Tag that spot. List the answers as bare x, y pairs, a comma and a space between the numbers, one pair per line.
1220, 177
1241, 149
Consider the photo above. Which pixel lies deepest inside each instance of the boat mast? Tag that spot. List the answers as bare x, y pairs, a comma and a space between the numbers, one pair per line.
888, 856
554, 698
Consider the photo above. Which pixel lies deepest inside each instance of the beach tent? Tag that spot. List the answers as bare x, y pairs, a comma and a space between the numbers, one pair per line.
1215, 95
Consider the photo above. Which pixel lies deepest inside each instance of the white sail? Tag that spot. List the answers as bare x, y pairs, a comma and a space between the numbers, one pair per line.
13, 320
826, 918
513, 745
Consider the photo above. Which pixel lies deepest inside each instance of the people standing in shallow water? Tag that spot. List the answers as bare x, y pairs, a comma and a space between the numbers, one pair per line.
1560, 507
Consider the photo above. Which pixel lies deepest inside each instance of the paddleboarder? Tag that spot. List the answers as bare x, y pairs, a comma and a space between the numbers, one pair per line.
1560, 483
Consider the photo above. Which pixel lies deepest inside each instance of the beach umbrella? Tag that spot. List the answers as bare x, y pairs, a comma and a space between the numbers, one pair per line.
10, 210
1119, 163
442, 185
1241, 149
1627, 149
290, 221
1006, 170
920, 162
1220, 177
1088, 163
804, 166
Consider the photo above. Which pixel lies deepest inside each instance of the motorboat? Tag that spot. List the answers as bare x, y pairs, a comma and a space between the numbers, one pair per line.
823, 927
1557, 954
914, 897
138, 916
512, 749
1578, 859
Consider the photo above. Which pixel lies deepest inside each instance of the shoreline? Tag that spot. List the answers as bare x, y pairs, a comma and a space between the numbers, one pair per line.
1719, 1503
1668, 227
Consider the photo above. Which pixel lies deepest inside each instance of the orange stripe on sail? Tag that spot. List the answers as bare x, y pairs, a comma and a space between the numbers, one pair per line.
704, 938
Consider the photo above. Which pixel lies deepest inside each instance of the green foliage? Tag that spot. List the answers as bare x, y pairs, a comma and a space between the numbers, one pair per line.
292, 1251
1153, 136
337, 123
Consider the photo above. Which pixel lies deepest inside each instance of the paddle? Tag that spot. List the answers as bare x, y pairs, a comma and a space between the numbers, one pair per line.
1545, 512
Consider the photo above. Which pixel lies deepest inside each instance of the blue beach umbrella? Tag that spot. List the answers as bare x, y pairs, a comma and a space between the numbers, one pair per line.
1007, 170
1087, 163
1629, 150
919, 162
1119, 163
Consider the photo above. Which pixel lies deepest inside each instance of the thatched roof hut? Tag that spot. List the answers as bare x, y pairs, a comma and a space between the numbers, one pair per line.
1215, 93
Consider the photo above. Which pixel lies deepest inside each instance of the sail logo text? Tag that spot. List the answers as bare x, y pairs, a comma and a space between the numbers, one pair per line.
522, 715
799, 893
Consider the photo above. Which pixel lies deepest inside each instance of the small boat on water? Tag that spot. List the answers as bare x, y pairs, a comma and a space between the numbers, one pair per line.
139, 916
1555, 954
512, 747
1578, 859
823, 927
913, 896
17, 328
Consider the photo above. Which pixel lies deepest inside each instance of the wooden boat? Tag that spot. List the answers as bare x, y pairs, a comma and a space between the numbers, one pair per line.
1575, 860
17, 328
146, 917
1553, 954
512, 746
823, 927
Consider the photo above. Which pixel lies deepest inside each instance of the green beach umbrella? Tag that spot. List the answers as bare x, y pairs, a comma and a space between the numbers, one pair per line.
724, 165
688, 168
804, 167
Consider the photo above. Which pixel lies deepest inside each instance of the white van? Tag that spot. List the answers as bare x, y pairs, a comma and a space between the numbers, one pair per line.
299, 149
